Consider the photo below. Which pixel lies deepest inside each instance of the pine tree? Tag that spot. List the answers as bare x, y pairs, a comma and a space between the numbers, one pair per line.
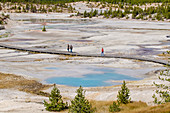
44, 29
27, 6
85, 14
94, 13
19, 8
57, 103
114, 107
164, 91
123, 94
23, 9
101, 13
80, 104
0, 7
78, 13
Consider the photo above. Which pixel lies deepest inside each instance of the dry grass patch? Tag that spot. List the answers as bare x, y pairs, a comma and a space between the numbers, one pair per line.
22, 84
63, 58
164, 108
134, 107
164, 56
101, 106
38, 60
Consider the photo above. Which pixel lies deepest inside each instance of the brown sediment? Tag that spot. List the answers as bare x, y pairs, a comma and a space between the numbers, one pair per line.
22, 84
164, 56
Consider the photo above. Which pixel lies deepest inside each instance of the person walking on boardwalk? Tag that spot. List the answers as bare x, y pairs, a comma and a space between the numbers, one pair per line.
68, 47
102, 53
71, 48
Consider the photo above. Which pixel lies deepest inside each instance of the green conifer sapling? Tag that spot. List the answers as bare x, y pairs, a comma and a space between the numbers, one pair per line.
80, 104
57, 103
44, 29
123, 94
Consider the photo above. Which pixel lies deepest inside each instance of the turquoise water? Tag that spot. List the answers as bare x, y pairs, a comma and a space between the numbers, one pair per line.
92, 80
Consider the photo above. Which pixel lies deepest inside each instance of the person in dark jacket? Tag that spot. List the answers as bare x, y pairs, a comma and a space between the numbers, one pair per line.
68, 47
71, 48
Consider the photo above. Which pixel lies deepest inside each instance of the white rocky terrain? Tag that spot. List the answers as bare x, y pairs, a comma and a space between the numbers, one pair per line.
88, 36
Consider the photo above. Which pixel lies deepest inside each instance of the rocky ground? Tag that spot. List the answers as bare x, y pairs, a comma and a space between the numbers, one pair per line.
138, 38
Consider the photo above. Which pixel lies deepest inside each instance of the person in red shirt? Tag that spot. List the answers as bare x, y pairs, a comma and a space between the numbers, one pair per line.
102, 53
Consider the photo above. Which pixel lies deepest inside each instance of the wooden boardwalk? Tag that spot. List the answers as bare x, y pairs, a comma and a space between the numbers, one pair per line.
164, 62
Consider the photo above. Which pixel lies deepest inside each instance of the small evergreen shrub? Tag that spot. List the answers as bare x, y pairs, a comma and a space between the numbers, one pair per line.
123, 94
114, 107
44, 29
80, 104
57, 103
1, 22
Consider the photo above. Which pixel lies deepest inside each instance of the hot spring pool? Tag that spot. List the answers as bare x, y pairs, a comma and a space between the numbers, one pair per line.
92, 80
